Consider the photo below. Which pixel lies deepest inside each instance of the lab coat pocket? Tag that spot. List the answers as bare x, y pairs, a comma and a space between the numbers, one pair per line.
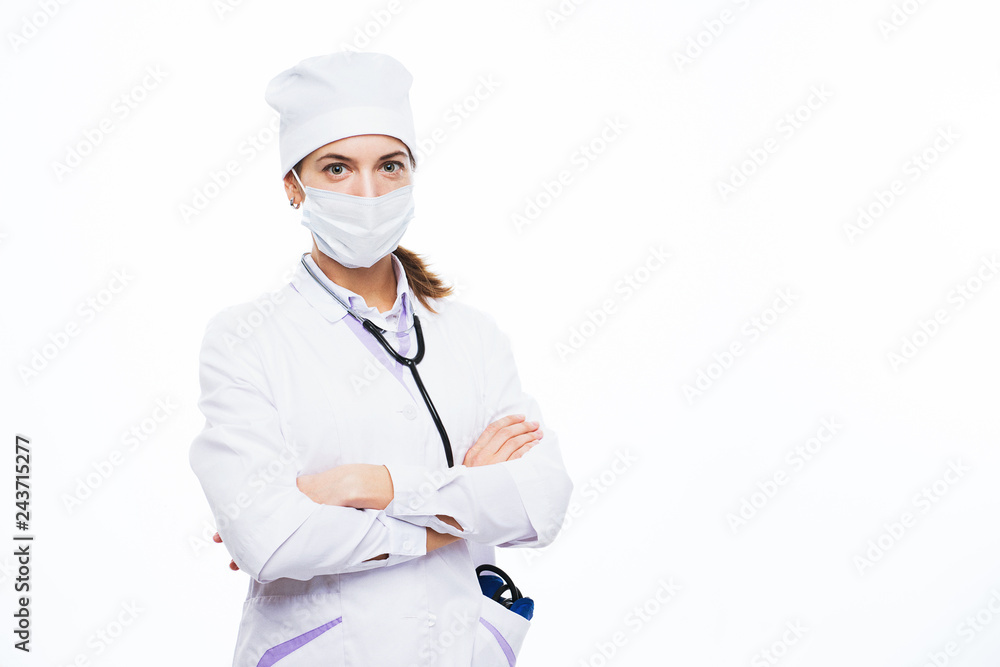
499, 636
291, 631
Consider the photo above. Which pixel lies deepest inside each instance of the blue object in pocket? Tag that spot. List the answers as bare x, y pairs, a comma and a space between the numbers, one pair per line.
493, 587
525, 607
490, 583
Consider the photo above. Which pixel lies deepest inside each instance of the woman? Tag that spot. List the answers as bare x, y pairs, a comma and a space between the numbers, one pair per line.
359, 508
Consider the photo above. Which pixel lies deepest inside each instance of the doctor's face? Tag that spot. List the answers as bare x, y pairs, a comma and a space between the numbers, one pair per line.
367, 165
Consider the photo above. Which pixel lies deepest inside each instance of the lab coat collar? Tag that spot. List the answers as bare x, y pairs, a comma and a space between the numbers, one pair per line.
329, 308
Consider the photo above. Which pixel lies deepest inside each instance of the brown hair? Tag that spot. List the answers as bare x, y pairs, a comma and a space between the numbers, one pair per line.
425, 284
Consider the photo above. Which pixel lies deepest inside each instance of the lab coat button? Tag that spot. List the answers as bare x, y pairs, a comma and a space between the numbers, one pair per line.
407, 544
430, 619
410, 412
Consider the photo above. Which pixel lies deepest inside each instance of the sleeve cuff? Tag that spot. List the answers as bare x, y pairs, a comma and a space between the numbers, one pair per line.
406, 540
411, 487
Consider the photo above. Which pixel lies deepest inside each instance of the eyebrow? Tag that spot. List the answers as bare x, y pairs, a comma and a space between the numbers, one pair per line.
335, 156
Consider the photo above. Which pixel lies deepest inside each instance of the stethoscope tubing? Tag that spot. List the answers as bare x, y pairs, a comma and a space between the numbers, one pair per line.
409, 362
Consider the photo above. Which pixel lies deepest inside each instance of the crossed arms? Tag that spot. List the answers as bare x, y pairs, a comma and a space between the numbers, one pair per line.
511, 489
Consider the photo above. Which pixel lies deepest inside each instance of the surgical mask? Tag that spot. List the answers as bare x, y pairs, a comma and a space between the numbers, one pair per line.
356, 231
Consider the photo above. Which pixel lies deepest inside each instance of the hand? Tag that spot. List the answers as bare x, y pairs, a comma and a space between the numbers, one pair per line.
358, 485
329, 487
232, 563
506, 439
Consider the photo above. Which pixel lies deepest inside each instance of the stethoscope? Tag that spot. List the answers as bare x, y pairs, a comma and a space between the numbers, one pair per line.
411, 363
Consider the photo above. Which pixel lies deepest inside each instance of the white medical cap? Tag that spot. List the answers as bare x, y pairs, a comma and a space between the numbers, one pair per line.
344, 94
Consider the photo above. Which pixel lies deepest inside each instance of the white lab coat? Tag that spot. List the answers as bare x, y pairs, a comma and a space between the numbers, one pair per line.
289, 387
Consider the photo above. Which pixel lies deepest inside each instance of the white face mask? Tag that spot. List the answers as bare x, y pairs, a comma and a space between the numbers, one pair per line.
356, 231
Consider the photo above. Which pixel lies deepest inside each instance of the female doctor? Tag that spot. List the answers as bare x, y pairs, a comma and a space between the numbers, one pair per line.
358, 491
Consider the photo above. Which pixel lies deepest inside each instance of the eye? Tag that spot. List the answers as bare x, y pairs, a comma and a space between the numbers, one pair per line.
335, 168
394, 166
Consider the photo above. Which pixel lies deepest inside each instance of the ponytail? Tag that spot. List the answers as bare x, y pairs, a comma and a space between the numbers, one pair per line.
424, 284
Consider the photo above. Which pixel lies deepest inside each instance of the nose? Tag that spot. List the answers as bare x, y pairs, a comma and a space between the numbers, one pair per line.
369, 188
365, 185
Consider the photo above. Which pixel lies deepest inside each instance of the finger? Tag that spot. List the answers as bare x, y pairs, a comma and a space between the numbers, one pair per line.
518, 428
492, 429
494, 445
233, 566
217, 538
503, 445
513, 444
513, 431
473, 456
522, 450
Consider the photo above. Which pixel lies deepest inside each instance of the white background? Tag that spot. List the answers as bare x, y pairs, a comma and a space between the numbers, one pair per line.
685, 462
